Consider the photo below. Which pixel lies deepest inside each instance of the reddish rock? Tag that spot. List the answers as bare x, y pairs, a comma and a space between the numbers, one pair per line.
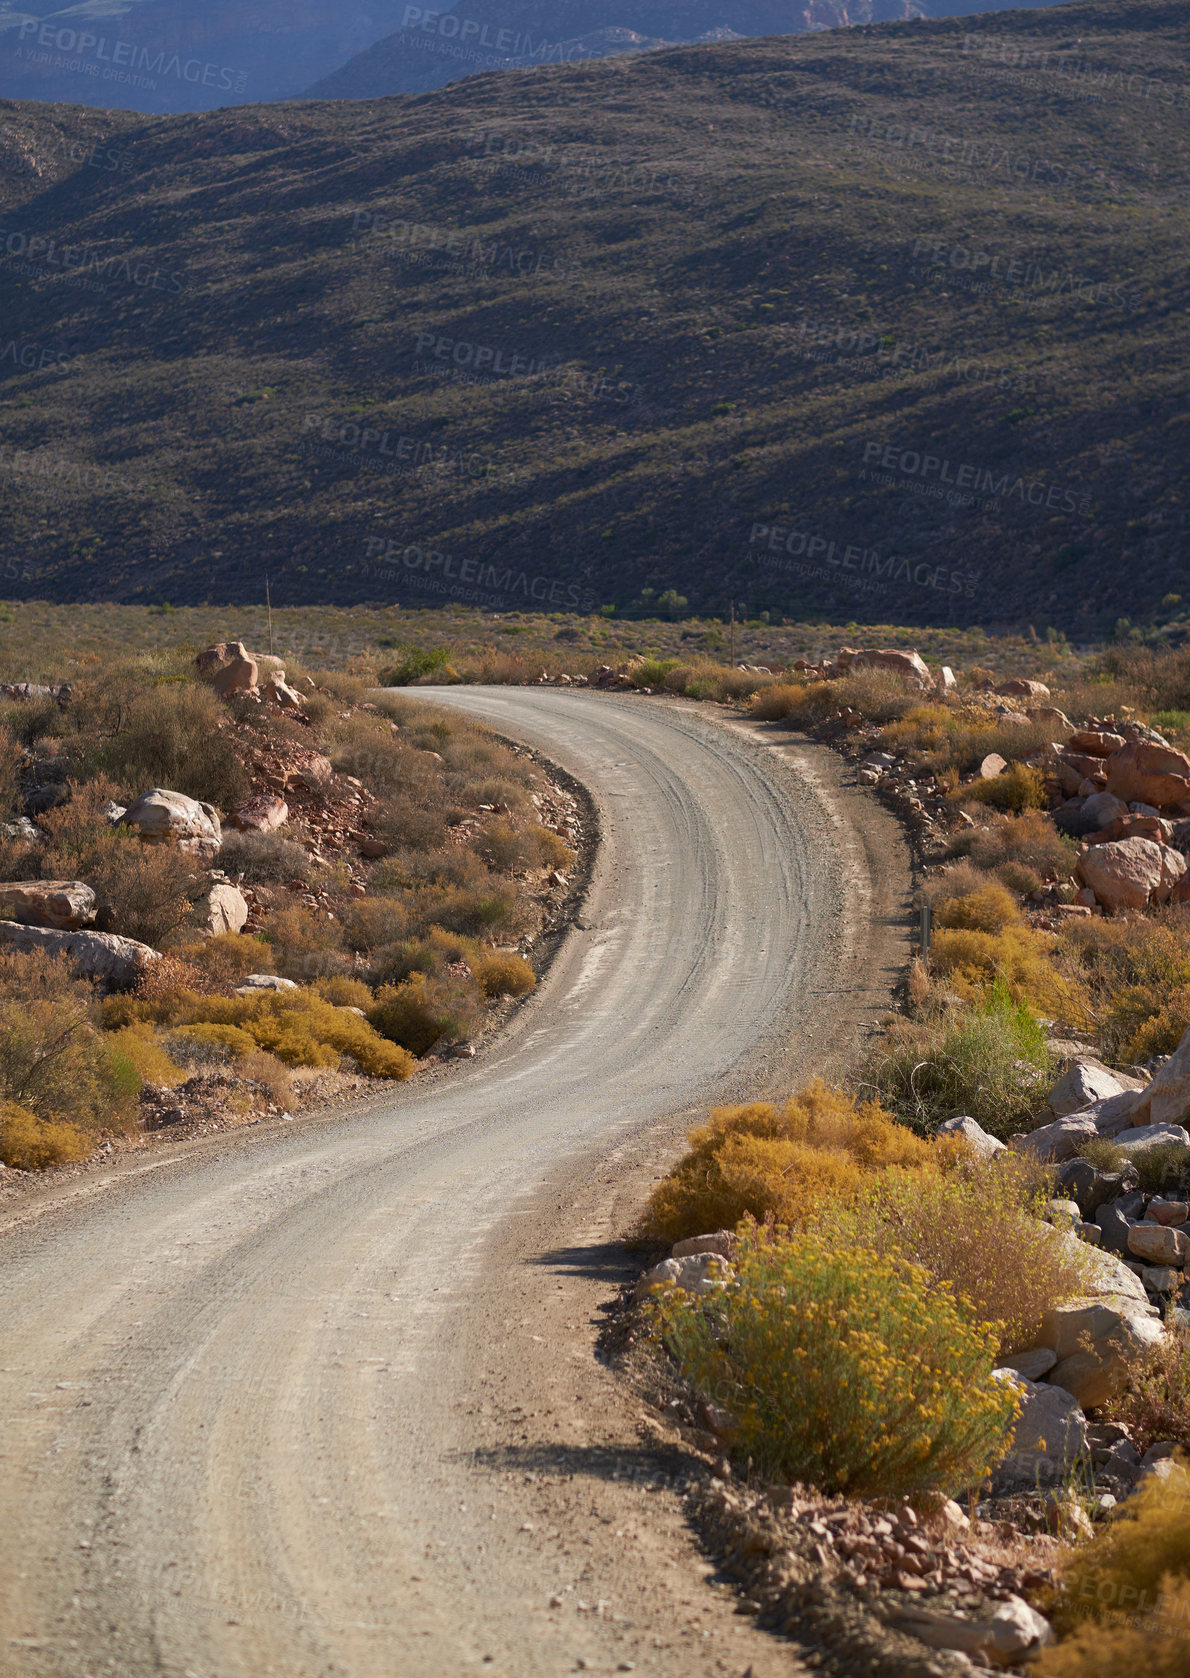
1020, 687
261, 815
1144, 773
229, 667
65, 905
1129, 873
1094, 744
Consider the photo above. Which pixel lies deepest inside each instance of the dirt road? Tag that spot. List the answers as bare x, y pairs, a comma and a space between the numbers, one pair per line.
321, 1399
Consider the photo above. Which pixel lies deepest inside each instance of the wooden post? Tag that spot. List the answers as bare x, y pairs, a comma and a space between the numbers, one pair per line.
926, 920
269, 598
733, 634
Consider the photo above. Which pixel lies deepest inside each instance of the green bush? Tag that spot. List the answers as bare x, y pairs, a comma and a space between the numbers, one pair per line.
423, 1009
843, 1369
417, 664
1020, 787
989, 1061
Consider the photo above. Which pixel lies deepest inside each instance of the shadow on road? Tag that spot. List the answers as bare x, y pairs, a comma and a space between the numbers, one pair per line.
605, 1261
659, 1466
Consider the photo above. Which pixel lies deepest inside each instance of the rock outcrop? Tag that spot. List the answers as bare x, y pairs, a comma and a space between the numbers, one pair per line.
64, 905
162, 817
118, 962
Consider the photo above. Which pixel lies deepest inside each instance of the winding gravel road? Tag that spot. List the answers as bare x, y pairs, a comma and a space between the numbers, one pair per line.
320, 1398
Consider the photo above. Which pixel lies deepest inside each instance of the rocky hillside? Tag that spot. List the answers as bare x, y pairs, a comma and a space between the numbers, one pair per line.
886, 325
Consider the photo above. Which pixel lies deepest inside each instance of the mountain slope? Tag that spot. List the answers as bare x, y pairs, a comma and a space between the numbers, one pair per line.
888, 324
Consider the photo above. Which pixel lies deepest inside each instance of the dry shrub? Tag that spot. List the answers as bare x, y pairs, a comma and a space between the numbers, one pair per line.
843, 1369
425, 1009
218, 964
1124, 1605
299, 1027
270, 1074
987, 909
305, 944
1030, 840
1135, 973
508, 849
344, 992
55, 1062
232, 1042
28, 1143
781, 701
400, 821
957, 879
941, 737
142, 891
978, 1230
1156, 1402
502, 975
264, 858
162, 735
1020, 787
10, 761
140, 1044
372, 923
763, 1162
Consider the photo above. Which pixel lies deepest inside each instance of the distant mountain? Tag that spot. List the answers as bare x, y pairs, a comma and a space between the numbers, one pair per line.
163, 56
887, 324
179, 55
436, 46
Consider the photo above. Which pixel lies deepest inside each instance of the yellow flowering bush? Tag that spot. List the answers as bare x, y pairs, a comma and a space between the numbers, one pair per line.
1124, 1606
842, 1368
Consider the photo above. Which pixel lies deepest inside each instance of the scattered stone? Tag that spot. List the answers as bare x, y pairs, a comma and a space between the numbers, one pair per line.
1160, 1279
1097, 1342
1149, 1136
65, 905
1060, 1140
316, 774
1167, 1099
262, 814
1167, 1211
992, 765
254, 982
229, 667
909, 665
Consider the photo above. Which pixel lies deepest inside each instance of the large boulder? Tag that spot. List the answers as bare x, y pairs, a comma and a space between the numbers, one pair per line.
1149, 774
1146, 1136
1167, 1098
1097, 1342
1116, 1112
162, 817
1089, 1187
65, 905
118, 962
1060, 1140
1129, 873
1084, 1082
1093, 742
1050, 1437
253, 983
698, 1273
316, 774
1105, 1278
910, 666
276, 691
229, 667
221, 908
1154, 1243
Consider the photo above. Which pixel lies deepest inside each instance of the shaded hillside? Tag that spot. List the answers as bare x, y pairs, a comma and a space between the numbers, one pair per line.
862, 324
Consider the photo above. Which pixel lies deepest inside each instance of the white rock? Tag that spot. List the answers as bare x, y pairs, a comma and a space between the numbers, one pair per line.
1084, 1082
1060, 1140
982, 1145
699, 1273
254, 982
1152, 1136
162, 817
100, 955
222, 908
721, 1242
1032, 1366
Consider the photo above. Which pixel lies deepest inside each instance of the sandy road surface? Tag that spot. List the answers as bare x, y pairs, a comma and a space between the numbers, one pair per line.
321, 1399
